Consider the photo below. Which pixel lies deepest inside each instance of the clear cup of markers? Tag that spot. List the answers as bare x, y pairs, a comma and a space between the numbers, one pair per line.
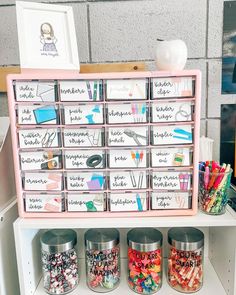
214, 182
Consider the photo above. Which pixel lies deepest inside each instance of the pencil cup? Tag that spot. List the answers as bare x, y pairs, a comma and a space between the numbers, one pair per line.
213, 191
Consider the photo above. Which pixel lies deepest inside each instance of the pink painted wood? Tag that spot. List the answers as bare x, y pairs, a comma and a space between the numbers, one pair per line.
64, 75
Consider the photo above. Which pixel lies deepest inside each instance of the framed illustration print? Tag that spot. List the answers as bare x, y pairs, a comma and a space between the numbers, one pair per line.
47, 38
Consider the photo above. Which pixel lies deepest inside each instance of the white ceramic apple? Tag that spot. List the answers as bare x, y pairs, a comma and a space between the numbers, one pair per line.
171, 55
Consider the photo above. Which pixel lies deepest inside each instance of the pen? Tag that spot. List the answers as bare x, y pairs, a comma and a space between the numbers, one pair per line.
206, 177
213, 178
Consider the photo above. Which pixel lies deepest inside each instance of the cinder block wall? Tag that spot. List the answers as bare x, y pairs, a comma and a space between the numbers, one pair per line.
126, 30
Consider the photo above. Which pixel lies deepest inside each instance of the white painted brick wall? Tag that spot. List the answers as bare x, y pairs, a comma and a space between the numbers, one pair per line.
126, 30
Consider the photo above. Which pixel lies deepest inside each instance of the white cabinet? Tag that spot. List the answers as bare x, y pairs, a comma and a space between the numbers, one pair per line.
220, 249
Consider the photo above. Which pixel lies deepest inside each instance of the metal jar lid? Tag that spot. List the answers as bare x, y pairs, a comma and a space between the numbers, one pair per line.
186, 238
58, 240
101, 238
144, 239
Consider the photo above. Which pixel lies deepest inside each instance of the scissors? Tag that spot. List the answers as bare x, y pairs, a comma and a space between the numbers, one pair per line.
182, 134
134, 135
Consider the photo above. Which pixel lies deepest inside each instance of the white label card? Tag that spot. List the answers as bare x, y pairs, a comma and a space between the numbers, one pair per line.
85, 181
166, 180
41, 160
177, 134
128, 180
84, 159
170, 157
43, 203
37, 115
171, 111
128, 136
127, 113
127, 89
83, 137
172, 87
128, 202
35, 91
170, 200
83, 114
43, 181
80, 90
36, 138
86, 202
127, 159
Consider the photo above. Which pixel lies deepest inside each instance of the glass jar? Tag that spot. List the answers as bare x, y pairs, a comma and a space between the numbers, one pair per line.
185, 261
102, 259
144, 260
59, 261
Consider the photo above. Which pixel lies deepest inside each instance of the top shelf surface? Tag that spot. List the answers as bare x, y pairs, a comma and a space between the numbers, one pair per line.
201, 219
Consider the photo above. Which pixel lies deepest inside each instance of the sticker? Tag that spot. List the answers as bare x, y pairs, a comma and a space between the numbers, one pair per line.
127, 159
128, 180
42, 181
41, 160
35, 91
172, 87
170, 157
128, 202
36, 138
84, 159
174, 180
127, 89
127, 113
181, 134
43, 203
80, 90
170, 200
83, 137
86, 202
92, 181
171, 111
37, 115
128, 136
83, 114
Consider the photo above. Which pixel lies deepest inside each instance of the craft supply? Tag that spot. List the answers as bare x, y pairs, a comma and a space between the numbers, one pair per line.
185, 260
136, 137
133, 181
214, 182
144, 260
140, 180
94, 161
59, 261
102, 259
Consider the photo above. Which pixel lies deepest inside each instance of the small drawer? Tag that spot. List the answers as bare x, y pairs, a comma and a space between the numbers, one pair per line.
36, 202
171, 157
42, 181
168, 87
84, 137
126, 89
128, 202
37, 115
80, 90
86, 202
128, 158
171, 200
41, 160
128, 180
127, 136
171, 180
85, 181
39, 138
173, 134
84, 159
35, 91
83, 114
124, 113
162, 111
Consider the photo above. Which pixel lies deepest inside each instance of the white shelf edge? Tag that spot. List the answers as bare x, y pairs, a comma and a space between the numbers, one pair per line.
200, 220
211, 284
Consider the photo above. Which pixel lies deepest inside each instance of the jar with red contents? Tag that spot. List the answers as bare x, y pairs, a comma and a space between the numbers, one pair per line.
144, 260
185, 261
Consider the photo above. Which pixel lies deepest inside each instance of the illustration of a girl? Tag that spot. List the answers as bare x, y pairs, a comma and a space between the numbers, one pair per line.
47, 37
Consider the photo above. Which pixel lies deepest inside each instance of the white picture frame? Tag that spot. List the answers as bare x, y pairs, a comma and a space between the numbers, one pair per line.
47, 37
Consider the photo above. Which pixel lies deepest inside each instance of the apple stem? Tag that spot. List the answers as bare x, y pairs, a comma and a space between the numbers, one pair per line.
160, 40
